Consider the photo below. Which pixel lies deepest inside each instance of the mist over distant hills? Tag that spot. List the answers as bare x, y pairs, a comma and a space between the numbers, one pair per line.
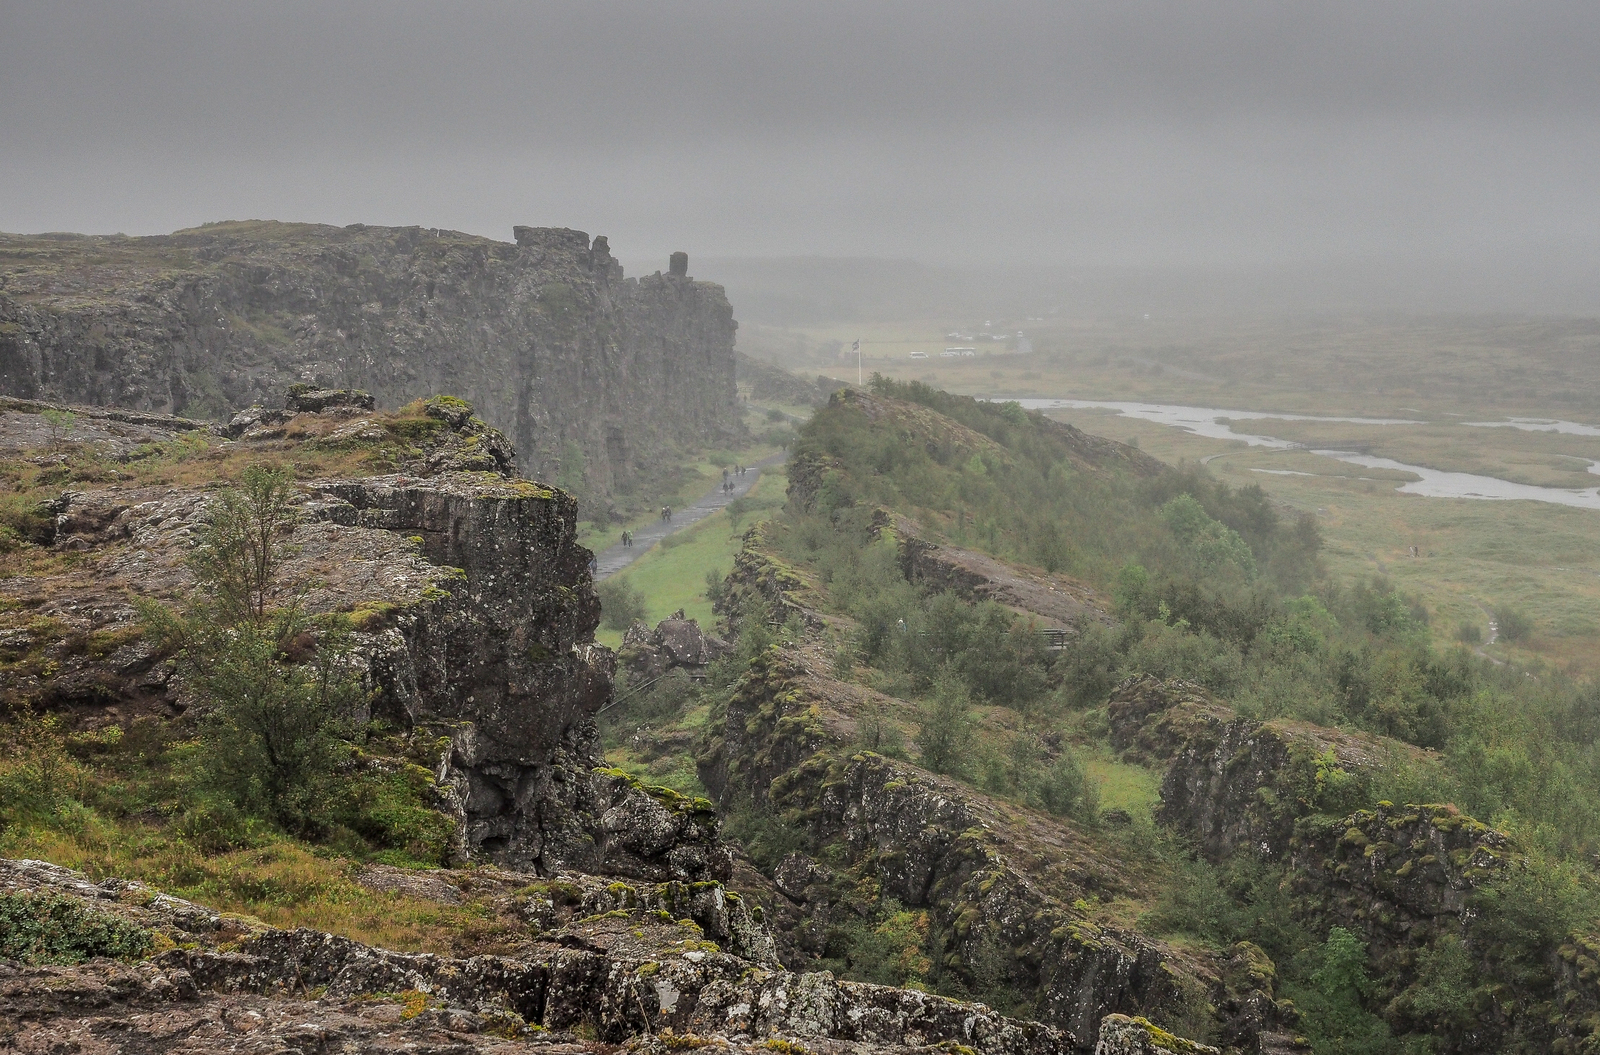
816, 290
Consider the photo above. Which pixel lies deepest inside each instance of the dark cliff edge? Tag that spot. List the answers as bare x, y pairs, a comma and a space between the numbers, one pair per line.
545, 336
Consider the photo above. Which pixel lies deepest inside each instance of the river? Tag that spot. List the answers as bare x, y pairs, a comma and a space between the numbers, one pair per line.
1216, 423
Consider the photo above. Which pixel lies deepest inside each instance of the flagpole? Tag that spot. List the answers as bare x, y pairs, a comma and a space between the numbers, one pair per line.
858, 362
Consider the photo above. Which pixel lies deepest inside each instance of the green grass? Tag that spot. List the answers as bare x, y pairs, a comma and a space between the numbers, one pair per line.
672, 574
283, 883
1123, 786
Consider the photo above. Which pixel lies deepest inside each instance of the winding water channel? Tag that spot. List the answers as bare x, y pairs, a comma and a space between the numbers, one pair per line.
1216, 423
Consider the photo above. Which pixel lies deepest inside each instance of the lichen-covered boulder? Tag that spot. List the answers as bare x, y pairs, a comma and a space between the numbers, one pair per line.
1121, 1035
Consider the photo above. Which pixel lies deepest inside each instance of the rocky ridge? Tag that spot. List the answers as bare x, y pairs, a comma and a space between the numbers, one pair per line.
544, 335
625, 973
1402, 877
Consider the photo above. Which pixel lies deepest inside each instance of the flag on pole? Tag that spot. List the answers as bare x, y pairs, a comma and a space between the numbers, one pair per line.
856, 347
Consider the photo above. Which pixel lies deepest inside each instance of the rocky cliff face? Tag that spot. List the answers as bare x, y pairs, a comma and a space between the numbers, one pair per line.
545, 336
929, 844
472, 604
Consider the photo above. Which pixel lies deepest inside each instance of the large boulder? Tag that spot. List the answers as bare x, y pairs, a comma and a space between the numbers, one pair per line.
674, 643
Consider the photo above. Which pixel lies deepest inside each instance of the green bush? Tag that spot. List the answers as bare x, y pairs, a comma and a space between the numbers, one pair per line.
218, 826
876, 731
1333, 1005
274, 729
1065, 789
765, 836
621, 604
40, 928
1515, 624
946, 733
391, 809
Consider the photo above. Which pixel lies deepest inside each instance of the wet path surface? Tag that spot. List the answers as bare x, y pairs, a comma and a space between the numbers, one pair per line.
609, 562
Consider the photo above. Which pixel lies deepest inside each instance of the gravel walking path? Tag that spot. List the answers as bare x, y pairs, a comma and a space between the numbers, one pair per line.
614, 559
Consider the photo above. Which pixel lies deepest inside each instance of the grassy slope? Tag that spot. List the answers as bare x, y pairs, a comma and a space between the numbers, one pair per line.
1542, 558
283, 883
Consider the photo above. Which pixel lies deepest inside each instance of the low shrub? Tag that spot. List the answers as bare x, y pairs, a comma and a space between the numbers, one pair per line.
48, 928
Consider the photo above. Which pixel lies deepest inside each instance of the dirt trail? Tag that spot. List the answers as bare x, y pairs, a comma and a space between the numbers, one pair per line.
612, 560
1494, 635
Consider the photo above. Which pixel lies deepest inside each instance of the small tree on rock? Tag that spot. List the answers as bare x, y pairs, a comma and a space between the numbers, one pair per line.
242, 545
277, 687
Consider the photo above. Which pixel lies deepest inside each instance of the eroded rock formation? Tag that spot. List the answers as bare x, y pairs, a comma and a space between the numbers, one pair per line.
1401, 877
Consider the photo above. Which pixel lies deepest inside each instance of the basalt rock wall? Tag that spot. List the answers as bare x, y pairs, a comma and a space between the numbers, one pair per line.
928, 845
544, 335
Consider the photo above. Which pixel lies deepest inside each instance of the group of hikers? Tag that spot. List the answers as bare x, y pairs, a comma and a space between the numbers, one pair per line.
627, 539
727, 477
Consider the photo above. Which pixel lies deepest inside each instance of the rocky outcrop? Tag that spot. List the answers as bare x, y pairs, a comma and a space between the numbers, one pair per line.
625, 975
1404, 878
1056, 600
759, 577
925, 843
766, 381
545, 336
1121, 1035
472, 607
1237, 783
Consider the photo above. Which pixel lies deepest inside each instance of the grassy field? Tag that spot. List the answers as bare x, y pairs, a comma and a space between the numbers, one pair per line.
672, 575
1122, 786
282, 883
1378, 367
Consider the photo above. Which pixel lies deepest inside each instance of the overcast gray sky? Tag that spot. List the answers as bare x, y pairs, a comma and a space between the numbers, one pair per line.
1125, 132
